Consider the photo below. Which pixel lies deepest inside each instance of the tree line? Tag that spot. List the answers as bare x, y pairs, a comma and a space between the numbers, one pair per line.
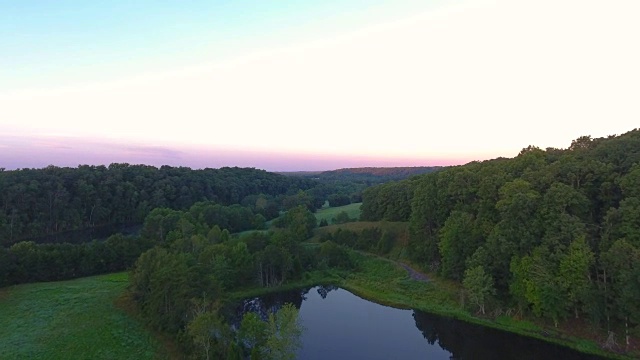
345, 186
37, 202
53, 200
554, 233
27, 261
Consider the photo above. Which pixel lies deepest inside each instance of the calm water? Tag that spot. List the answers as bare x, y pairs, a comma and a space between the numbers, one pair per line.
339, 325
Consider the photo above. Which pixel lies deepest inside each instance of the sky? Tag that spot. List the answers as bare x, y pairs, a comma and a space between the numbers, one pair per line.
311, 85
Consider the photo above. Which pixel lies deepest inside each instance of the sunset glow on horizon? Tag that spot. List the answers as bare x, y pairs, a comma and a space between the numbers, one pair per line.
288, 87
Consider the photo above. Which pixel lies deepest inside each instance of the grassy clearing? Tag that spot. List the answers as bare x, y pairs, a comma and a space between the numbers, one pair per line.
247, 232
74, 319
353, 210
399, 229
383, 282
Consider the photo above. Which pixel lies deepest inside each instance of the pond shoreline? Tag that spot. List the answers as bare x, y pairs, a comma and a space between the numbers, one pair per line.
385, 282
359, 328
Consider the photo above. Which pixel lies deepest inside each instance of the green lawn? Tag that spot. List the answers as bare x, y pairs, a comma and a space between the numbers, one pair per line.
74, 319
353, 210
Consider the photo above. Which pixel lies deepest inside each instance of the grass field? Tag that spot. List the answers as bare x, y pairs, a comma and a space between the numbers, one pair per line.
74, 319
353, 210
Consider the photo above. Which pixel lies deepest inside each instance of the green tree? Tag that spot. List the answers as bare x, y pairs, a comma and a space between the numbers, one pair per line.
284, 331
341, 218
253, 332
300, 221
334, 255
479, 286
457, 242
575, 273
536, 282
562, 214
210, 335
622, 265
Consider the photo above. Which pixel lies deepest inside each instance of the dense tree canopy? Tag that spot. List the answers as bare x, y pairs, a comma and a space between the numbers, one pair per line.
35, 202
180, 283
556, 231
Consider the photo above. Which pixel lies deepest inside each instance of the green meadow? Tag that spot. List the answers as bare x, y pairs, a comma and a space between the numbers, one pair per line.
75, 319
328, 213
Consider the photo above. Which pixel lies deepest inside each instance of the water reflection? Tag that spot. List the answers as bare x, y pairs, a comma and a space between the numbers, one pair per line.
471, 341
267, 304
339, 325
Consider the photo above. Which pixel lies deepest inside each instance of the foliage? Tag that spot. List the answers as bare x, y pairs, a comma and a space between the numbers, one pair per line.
253, 331
27, 261
479, 286
36, 202
390, 201
379, 239
283, 334
299, 221
556, 229
334, 256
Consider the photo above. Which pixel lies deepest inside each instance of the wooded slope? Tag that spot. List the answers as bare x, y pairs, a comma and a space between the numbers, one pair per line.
556, 232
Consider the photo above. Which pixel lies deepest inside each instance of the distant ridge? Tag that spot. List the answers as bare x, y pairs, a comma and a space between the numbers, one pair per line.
386, 171
375, 174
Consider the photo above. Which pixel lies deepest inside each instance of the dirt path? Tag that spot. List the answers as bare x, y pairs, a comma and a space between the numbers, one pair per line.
413, 274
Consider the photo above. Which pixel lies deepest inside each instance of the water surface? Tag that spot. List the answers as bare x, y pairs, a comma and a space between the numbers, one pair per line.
339, 325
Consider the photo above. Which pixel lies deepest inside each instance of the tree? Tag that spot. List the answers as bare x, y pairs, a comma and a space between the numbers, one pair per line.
334, 256
622, 264
561, 213
536, 282
478, 285
210, 334
457, 243
284, 331
341, 218
253, 332
339, 200
517, 206
299, 220
575, 273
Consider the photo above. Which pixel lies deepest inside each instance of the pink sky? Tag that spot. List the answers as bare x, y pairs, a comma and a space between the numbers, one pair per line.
468, 80
37, 152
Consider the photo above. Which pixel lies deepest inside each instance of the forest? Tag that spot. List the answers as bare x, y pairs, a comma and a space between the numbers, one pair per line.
36, 202
373, 175
54, 200
553, 233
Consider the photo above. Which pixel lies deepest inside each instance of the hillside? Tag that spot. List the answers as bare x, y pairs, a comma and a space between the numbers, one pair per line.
38, 202
370, 174
553, 233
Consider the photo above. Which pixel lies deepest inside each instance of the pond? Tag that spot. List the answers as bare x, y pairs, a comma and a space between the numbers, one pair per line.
339, 325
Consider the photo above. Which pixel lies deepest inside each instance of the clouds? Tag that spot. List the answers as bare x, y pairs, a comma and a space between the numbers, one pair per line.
476, 80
